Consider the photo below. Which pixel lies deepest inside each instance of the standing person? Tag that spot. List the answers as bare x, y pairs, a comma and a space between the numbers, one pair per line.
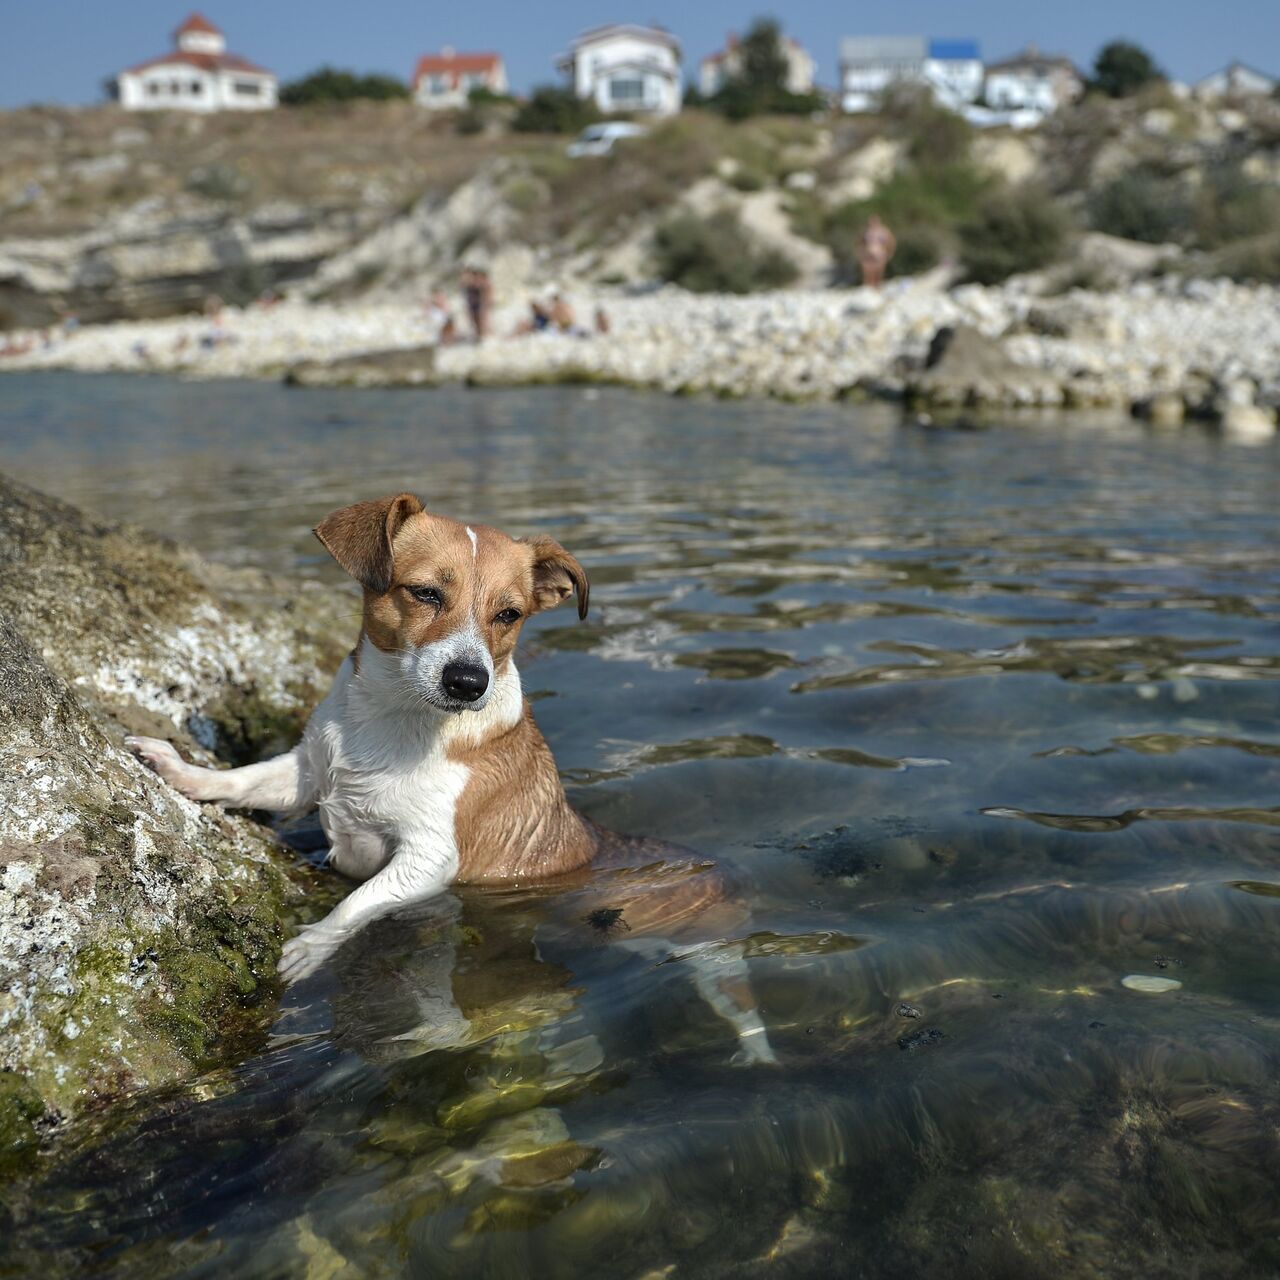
477, 292
876, 246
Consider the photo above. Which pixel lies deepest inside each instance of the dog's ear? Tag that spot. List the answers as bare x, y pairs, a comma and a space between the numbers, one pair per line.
556, 575
359, 537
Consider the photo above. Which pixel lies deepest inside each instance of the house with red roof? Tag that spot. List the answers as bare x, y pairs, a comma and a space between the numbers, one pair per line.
197, 74
447, 79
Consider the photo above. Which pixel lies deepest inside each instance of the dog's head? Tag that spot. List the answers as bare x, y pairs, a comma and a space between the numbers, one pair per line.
446, 600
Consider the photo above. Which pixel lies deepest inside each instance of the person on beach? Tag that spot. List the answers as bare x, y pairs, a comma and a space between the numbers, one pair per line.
477, 293
561, 313
876, 247
603, 324
440, 314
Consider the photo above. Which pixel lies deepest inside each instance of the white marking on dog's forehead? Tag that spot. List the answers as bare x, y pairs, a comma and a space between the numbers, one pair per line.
475, 545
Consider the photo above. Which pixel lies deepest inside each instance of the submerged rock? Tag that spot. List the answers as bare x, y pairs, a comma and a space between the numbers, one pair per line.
399, 367
138, 930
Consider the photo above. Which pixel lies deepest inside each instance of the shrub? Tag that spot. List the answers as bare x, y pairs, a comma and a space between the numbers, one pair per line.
1141, 205
922, 209
932, 135
552, 109
331, 85
218, 182
1121, 69
1257, 259
747, 180
1230, 206
717, 255
1014, 230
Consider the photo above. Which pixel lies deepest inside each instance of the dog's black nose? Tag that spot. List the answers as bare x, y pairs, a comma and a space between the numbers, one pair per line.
464, 681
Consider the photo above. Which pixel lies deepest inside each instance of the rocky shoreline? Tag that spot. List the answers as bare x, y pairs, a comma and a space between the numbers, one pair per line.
1166, 350
139, 931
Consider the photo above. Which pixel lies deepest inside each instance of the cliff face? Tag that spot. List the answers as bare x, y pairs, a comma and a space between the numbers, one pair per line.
160, 261
138, 931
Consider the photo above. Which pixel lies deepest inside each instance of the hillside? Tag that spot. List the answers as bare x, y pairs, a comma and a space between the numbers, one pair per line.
113, 215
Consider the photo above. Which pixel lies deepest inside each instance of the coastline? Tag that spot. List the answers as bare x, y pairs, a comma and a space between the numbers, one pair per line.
1164, 350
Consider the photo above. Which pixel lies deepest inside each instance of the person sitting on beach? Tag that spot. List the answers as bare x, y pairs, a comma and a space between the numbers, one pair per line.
538, 320
875, 248
440, 314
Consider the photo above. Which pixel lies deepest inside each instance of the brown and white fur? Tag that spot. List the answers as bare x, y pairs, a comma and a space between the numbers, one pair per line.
424, 759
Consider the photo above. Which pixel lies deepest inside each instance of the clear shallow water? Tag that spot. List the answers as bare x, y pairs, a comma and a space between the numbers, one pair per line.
982, 722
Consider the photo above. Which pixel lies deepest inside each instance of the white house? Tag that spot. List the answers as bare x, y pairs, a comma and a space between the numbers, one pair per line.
1236, 81
1034, 81
197, 74
624, 68
717, 69
446, 79
951, 69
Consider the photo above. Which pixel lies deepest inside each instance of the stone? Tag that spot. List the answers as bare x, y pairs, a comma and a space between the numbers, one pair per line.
399, 367
964, 367
138, 931
1148, 985
1163, 409
1247, 422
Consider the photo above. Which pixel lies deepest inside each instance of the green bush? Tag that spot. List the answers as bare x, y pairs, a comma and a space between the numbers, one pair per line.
1014, 230
923, 209
717, 255
1230, 206
1121, 69
1257, 259
331, 85
933, 136
748, 180
552, 109
1141, 205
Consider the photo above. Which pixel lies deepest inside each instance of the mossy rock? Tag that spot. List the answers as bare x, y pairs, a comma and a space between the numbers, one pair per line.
139, 932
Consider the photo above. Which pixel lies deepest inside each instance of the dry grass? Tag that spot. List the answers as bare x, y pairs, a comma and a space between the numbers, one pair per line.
90, 162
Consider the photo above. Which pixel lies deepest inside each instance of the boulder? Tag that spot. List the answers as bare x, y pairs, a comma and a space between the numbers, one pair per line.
138, 931
964, 368
1247, 422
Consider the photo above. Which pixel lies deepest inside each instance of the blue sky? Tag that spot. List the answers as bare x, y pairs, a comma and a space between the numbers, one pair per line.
60, 50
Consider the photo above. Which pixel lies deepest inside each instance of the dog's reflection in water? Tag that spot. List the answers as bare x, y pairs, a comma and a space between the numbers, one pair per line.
520, 972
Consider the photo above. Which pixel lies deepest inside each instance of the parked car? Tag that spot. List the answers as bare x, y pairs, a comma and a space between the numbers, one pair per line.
598, 139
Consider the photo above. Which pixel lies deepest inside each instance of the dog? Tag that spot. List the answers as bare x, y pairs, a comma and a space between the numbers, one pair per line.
424, 759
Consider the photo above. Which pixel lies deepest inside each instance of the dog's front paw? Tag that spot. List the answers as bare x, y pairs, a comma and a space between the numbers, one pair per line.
161, 757
304, 954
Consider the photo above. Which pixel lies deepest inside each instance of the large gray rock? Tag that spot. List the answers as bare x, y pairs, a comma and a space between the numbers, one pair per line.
138, 931
966, 369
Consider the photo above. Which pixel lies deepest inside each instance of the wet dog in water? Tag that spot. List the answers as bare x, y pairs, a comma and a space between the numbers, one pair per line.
426, 764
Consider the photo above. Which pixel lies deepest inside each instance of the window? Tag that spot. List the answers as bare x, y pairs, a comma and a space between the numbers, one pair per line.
197, 88
437, 84
626, 91
153, 87
175, 87
248, 88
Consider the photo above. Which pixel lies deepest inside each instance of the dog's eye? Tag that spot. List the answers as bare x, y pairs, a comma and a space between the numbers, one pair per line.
426, 595
507, 617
